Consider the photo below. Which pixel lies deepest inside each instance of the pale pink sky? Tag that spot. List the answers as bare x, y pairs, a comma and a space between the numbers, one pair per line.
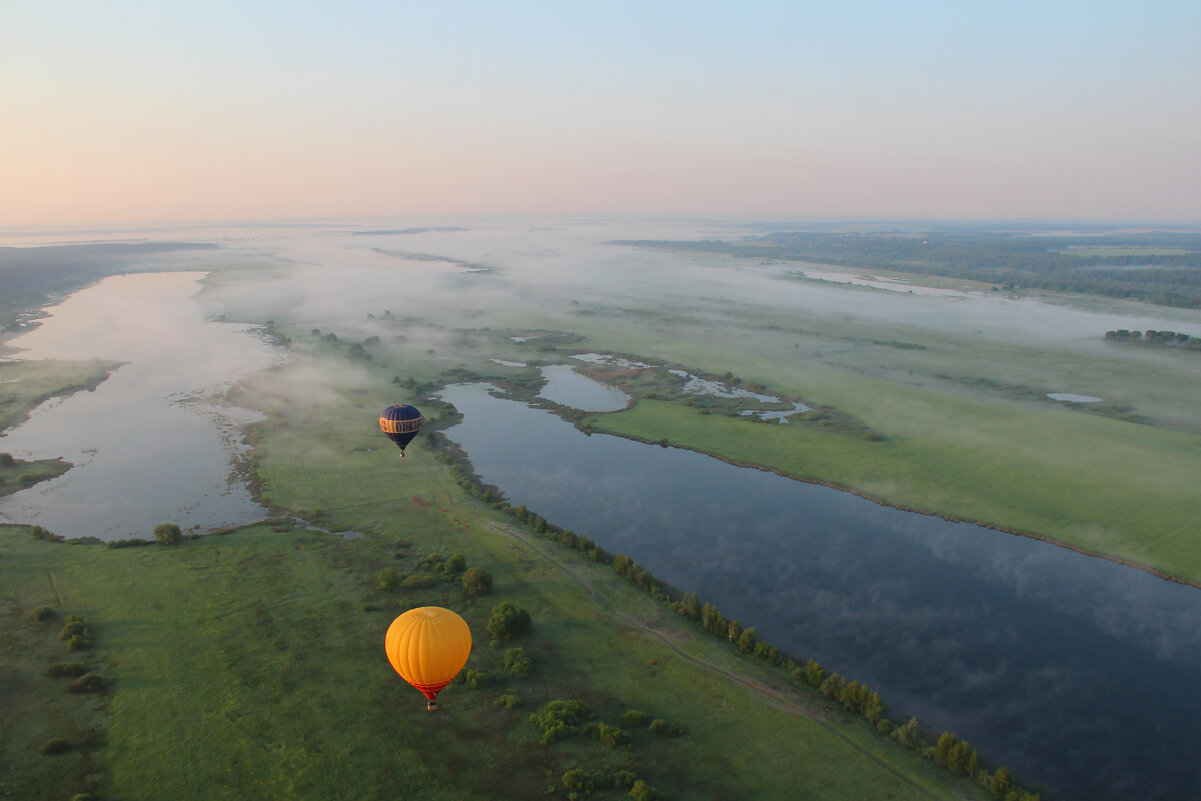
118, 112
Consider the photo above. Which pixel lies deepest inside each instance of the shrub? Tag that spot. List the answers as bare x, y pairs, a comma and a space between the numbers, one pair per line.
388, 580
454, 566
476, 582
507, 701
475, 679
660, 726
66, 669
55, 745
558, 718
612, 736
508, 621
42, 613
884, 726
168, 534
72, 628
88, 683
634, 718
418, 582
518, 663
641, 791
79, 643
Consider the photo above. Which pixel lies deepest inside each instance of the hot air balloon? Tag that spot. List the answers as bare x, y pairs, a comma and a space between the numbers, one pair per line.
428, 646
401, 423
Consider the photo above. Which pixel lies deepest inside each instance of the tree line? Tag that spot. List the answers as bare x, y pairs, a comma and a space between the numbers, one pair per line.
1010, 261
948, 750
1171, 339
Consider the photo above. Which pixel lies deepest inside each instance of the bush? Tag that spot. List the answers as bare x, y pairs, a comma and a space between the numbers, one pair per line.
660, 726
641, 791
388, 580
42, 613
507, 701
475, 679
55, 745
79, 643
454, 566
518, 663
88, 683
168, 534
612, 736
418, 582
66, 669
508, 621
884, 726
72, 628
634, 718
476, 582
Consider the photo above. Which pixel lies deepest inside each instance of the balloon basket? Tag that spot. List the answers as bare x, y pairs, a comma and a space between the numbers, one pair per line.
431, 706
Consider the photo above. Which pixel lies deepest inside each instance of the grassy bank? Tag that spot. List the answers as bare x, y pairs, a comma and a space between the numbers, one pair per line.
1095, 484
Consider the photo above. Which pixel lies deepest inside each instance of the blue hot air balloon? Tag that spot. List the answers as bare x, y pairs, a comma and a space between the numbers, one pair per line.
401, 423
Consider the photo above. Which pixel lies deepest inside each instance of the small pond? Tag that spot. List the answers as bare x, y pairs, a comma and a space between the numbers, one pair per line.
566, 387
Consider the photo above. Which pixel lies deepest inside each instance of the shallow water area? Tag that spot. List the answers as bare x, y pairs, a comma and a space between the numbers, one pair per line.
1070, 398
147, 448
1014, 644
566, 387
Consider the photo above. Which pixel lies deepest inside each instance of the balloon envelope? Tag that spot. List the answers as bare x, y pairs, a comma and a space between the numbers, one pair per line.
401, 423
428, 646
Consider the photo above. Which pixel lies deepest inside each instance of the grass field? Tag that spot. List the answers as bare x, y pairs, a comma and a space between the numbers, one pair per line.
251, 664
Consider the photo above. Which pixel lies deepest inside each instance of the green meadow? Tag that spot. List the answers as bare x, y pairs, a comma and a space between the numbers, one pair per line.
250, 664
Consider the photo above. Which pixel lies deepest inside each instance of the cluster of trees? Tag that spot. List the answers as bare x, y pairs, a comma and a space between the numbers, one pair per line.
565, 718
1007, 260
475, 581
1172, 339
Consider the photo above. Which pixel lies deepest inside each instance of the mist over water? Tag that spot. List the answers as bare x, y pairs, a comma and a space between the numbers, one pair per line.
143, 454
1003, 640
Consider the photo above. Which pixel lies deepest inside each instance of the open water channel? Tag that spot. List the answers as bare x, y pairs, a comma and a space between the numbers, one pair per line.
1081, 675
143, 453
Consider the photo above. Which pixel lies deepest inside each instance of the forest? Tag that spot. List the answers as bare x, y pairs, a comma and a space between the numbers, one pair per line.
1159, 268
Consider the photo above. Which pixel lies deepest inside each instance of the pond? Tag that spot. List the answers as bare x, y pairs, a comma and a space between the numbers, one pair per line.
126, 437
1078, 673
566, 387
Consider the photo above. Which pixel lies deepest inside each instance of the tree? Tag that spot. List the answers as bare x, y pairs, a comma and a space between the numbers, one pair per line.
1002, 783
388, 580
476, 582
168, 534
746, 641
508, 621
909, 735
518, 663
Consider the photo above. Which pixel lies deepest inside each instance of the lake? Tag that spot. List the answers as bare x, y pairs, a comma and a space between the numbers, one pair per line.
1080, 674
145, 452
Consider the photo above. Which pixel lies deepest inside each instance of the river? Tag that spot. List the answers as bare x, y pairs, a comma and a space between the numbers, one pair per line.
145, 451
1080, 674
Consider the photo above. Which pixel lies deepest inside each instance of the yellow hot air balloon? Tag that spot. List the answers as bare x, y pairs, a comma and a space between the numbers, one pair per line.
428, 646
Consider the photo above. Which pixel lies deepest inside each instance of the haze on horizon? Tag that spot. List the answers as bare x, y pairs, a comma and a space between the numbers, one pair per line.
124, 112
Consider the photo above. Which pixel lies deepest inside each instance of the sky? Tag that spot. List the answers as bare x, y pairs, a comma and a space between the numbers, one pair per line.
127, 111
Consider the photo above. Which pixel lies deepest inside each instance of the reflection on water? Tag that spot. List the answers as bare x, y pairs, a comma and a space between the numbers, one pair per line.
143, 455
566, 387
1080, 674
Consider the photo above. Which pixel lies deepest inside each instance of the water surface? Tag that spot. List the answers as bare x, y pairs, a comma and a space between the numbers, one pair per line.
145, 450
1082, 675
